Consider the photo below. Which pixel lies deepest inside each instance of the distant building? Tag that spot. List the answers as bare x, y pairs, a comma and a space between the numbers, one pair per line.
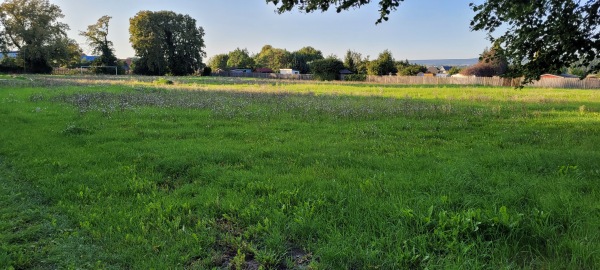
445, 69
88, 58
433, 70
346, 72
11, 54
443, 75
288, 71
241, 70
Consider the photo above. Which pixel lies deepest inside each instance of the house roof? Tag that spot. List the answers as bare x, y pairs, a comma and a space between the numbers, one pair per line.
446, 68
433, 70
10, 54
346, 71
88, 58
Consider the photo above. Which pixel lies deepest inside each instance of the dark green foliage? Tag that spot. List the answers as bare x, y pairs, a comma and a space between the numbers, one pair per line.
383, 65
326, 69
240, 58
272, 58
302, 58
35, 64
166, 42
206, 71
32, 28
454, 70
542, 36
10, 65
407, 69
97, 38
354, 62
385, 6
218, 61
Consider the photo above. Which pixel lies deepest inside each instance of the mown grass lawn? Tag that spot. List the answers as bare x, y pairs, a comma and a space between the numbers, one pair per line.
248, 174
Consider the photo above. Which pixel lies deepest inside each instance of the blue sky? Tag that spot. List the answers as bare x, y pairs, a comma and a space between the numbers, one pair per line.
419, 29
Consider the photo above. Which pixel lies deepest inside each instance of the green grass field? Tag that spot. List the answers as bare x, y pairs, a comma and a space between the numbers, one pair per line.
256, 174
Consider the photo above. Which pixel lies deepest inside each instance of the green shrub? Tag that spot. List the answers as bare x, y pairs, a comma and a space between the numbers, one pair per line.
326, 69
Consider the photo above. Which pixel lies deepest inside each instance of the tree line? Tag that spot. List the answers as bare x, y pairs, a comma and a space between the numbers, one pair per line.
310, 60
164, 42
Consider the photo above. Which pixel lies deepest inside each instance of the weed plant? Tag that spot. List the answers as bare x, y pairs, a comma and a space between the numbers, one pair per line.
297, 176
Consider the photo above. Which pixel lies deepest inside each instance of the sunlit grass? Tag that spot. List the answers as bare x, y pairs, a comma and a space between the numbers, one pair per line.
249, 173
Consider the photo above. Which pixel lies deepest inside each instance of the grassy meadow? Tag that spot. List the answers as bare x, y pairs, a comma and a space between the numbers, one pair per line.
221, 173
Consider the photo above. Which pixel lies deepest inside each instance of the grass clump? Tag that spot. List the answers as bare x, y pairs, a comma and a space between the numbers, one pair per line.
162, 81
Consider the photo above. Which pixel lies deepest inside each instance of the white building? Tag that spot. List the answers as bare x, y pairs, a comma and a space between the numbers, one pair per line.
288, 71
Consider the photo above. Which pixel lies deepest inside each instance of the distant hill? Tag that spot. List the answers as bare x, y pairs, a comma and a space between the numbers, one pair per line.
446, 62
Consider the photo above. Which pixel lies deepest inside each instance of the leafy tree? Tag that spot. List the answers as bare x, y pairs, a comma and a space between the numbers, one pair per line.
206, 71
349, 61
32, 28
490, 64
402, 64
405, 68
454, 70
97, 38
273, 58
383, 65
218, 61
354, 62
411, 70
326, 69
302, 58
239, 58
540, 36
167, 43
69, 48
385, 6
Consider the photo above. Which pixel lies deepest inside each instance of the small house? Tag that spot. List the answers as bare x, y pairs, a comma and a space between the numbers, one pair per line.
88, 58
288, 71
445, 69
241, 70
346, 72
11, 54
433, 70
